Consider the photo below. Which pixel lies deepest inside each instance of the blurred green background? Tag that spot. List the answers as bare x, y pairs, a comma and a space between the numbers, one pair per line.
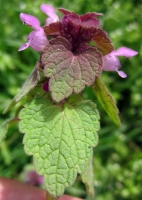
118, 156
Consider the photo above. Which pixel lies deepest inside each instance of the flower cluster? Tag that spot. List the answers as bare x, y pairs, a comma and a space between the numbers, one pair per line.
79, 31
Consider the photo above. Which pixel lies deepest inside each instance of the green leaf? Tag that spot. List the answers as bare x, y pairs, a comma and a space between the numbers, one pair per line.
88, 179
29, 84
106, 100
60, 137
70, 72
3, 129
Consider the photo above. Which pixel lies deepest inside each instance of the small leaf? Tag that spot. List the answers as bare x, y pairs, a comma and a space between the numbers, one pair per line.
102, 41
65, 12
70, 72
60, 137
29, 84
88, 20
88, 179
106, 100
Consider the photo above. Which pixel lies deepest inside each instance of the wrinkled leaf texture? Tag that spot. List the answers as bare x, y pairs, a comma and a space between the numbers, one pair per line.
60, 137
68, 72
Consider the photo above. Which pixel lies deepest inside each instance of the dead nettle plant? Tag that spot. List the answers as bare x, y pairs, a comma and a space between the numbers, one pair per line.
60, 127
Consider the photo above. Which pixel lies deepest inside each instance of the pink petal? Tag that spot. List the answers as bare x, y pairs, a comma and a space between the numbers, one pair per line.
37, 40
49, 10
122, 74
30, 20
110, 63
124, 51
24, 46
49, 21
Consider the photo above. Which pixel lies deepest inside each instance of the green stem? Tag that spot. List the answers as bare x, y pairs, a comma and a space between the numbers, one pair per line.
49, 196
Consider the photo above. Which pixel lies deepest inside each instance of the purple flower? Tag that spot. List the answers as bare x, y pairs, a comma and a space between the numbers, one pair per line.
45, 87
49, 10
37, 38
33, 178
112, 63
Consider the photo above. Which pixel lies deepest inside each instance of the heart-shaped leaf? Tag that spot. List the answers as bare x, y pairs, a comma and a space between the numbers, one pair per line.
60, 137
70, 72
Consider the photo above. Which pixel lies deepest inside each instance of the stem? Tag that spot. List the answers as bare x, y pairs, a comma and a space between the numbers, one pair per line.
49, 196
15, 119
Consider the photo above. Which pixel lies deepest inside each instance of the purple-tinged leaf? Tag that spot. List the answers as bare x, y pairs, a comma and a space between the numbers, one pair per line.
64, 11
52, 29
70, 72
102, 41
89, 20
77, 31
29, 84
83, 17
86, 21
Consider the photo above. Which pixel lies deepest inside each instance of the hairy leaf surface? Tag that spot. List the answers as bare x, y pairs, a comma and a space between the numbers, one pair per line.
106, 100
70, 72
60, 137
